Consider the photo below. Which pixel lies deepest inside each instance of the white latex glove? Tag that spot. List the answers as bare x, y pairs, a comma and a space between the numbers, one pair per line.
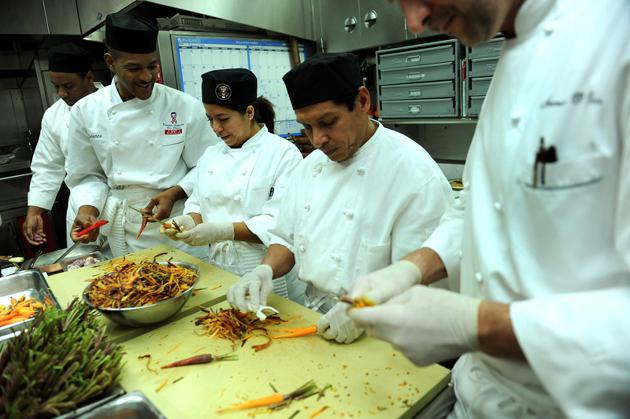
379, 286
185, 222
336, 325
252, 290
426, 324
205, 233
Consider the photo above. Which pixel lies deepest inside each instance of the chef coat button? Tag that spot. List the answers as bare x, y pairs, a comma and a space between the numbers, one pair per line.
118, 172
113, 113
116, 142
210, 172
479, 277
151, 142
307, 207
301, 248
516, 118
349, 214
460, 254
318, 168
361, 171
548, 28
244, 173
497, 206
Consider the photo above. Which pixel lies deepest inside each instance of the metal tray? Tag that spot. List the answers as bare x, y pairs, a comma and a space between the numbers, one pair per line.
69, 259
93, 403
80, 251
30, 284
134, 405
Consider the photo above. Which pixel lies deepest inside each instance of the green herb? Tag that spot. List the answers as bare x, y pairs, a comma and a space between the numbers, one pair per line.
64, 359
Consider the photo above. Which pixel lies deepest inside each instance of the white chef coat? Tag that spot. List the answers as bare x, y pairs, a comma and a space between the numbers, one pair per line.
243, 184
142, 145
560, 252
49, 160
342, 220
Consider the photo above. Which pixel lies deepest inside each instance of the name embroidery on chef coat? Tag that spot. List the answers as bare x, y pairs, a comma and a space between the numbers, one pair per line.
173, 127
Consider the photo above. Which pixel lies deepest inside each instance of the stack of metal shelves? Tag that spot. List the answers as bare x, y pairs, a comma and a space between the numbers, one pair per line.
419, 81
481, 63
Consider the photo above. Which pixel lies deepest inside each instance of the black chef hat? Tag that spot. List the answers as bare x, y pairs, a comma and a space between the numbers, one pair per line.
68, 58
232, 86
323, 77
133, 34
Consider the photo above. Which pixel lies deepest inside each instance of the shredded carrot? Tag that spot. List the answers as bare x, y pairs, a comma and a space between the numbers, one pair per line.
135, 284
317, 412
174, 348
161, 386
276, 400
296, 332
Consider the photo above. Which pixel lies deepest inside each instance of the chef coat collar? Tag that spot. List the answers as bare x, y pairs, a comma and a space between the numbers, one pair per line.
367, 146
250, 144
117, 100
530, 15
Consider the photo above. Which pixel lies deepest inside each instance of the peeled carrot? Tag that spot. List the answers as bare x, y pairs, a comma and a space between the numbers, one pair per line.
296, 332
251, 404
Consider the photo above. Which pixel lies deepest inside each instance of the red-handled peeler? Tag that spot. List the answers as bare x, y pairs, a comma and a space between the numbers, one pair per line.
97, 224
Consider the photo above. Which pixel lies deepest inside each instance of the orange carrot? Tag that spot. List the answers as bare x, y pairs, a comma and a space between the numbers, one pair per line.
296, 332
251, 404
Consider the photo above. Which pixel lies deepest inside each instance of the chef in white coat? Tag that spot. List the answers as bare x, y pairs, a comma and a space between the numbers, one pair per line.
133, 143
240, 181
70, 73
363, 199
541, 239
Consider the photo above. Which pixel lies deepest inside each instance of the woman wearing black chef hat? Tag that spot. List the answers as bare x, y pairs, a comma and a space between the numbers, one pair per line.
239, 181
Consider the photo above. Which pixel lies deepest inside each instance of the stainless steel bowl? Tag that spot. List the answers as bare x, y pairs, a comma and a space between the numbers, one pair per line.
149, 314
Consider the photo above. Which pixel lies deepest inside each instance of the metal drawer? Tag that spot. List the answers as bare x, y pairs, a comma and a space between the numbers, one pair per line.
418, 91
417, 57
474, 104
479, 86
418, 108
486, 50
483, 67
433, 72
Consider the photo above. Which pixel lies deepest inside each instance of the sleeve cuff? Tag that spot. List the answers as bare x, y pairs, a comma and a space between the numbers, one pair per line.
449, 252
259, 225
41, 200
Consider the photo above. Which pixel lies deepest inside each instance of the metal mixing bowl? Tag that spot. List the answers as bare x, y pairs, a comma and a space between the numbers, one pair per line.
149, 314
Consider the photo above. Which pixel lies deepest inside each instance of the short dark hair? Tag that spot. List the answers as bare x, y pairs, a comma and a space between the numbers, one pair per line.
263, 111
349, 100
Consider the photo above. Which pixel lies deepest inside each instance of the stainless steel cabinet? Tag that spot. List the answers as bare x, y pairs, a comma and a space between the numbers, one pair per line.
349, 25
40, 17
481, 61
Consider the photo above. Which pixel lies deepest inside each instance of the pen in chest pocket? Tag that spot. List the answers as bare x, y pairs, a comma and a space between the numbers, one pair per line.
543, 156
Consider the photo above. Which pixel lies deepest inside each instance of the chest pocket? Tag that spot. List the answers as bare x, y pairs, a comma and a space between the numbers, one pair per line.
172, 136
565, 175
371, 257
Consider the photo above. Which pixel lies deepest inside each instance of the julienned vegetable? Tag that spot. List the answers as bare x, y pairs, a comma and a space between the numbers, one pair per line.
61, 361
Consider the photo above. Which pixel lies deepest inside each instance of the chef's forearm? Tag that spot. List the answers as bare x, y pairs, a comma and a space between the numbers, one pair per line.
429, 263
495, 333
280, 259
243, 233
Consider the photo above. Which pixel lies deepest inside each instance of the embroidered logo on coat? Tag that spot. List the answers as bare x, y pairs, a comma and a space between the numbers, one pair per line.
173, 128
223, 91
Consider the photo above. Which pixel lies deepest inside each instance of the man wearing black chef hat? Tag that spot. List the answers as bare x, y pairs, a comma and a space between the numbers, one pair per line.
362, 200
70, 73
134, 142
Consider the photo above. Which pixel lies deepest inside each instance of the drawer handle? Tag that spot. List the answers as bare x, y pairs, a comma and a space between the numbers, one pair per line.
415, 93
415, 76
414, 109
413, 59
